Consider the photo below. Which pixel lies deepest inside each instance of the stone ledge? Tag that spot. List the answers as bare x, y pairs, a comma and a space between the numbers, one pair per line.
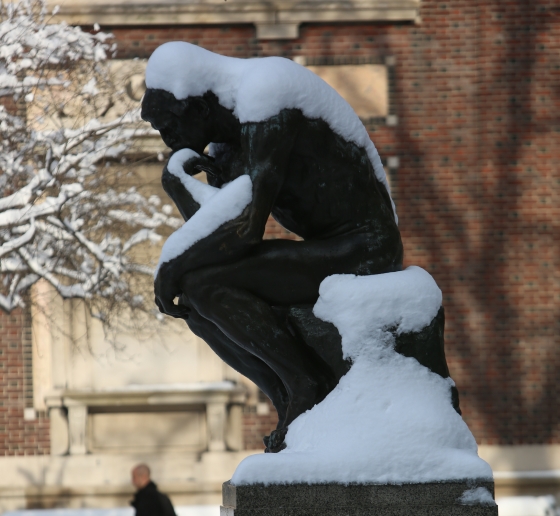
430, 499
274, 20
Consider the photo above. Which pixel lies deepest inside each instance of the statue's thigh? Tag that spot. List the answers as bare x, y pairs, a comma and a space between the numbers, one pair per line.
285, 272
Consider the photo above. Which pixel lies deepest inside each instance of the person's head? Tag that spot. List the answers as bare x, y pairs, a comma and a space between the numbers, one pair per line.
182, 124
140, 476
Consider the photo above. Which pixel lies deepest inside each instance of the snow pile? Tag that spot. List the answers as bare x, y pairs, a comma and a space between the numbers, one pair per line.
477, 496
389, 420
257, 89
218, 206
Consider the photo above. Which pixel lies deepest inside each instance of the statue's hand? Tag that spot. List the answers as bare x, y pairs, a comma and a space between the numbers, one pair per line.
204, 164
166, 289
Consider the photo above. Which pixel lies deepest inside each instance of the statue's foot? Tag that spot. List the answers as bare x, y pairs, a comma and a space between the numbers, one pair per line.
281, 404
282, 418
310, 392
275, 441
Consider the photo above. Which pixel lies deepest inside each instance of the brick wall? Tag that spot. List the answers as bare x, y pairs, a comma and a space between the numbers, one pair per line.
256, 426
17, 436
476, 90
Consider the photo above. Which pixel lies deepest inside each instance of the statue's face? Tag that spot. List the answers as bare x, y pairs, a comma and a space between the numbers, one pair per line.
182, 124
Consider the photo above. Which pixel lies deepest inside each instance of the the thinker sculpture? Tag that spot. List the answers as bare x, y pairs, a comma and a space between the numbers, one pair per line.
347, 345
312, 166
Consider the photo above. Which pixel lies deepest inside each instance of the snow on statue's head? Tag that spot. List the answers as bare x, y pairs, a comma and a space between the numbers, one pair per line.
254, 89
186, 70
257, 89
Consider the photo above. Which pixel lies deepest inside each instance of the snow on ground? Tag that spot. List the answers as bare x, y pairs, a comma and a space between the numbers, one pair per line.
527, 506
257, 89
186, 510
225, 205
507, 506
390, 419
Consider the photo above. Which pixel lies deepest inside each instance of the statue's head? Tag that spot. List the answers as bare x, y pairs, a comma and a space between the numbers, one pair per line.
184, 82
177, 78
181, 123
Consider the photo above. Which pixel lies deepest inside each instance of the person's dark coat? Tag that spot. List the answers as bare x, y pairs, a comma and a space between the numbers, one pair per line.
148, 501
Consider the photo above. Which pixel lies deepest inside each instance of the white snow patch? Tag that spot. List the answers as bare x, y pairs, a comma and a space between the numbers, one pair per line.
528, 506
200, 191
90, 88
390, 419
359, 306
257, 89
477, 496
181, 510
227, 204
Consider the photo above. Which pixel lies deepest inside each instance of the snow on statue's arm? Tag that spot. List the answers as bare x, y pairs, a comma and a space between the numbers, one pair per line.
233, 221
187, 193
204, 239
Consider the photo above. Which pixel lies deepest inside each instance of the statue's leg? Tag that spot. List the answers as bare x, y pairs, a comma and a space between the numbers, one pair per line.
237, 298
250, 322
243, 362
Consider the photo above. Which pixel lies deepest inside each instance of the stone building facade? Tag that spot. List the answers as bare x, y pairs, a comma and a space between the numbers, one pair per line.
469, 135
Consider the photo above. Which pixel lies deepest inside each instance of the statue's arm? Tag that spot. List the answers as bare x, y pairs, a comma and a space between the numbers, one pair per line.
266, 149
178, 192
182, 198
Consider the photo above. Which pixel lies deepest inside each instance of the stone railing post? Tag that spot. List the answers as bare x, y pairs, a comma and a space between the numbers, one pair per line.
216, 424
77, 425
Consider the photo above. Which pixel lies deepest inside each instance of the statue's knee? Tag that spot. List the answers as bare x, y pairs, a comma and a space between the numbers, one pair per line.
188, 282
196, 323
198, 292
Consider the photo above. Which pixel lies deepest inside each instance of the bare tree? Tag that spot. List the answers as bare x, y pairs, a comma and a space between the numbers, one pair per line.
68, 212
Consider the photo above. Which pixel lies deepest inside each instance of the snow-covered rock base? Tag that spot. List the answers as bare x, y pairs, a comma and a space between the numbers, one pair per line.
390, 419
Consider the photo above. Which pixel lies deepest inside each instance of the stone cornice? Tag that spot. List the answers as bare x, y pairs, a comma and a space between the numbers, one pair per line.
273, 19
148, 396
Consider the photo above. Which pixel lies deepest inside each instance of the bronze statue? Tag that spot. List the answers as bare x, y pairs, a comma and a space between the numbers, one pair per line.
234, 287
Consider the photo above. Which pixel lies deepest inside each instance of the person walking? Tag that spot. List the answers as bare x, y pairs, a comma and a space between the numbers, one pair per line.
148, 501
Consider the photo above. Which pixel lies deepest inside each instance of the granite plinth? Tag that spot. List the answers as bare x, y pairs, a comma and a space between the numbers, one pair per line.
427, 499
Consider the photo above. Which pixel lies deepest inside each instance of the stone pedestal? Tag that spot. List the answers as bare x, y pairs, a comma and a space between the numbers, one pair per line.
430, 499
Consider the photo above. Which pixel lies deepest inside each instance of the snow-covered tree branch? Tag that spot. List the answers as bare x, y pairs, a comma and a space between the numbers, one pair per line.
68, 212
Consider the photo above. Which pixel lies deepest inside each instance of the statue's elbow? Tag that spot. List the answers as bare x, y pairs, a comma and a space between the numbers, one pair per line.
167, 181
248, 236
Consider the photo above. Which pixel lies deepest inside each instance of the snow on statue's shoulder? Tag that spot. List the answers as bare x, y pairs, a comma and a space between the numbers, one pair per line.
390, 419
257, 89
